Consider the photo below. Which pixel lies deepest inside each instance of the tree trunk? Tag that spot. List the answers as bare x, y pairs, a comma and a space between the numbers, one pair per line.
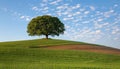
46, 36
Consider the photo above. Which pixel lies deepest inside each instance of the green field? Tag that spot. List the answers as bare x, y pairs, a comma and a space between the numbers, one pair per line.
29, 55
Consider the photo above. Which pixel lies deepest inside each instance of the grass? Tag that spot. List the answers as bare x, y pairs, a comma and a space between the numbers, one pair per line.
20, 55
37, 42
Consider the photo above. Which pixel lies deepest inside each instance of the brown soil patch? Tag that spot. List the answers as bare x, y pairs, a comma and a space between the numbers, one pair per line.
91, 48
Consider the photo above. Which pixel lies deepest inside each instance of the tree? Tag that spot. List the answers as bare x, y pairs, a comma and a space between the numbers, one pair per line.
45, 25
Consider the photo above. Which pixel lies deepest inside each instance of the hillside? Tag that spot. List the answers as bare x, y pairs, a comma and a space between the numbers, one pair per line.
57, 54
61, 45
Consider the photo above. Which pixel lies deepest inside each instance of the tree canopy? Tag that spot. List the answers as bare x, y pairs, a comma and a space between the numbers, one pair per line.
45, 25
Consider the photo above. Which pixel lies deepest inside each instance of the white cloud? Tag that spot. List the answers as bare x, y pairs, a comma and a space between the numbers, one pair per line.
68, 18
100, 19
60, 7
77, 13
115, 31
43, 4
22, 17
97, 25
59, 13
67, 26
92, 8
111, 11
69, 15
108, 13
98, 32
116, 5
85, 22
65, 13
86, 12
45, 8
82, 9
105, 24
55, 2
87, 33
27, 18
35, 8
77, 20
49, 14
76, 7
116, 38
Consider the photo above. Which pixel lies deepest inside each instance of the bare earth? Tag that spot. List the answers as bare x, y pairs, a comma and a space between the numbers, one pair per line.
91, 48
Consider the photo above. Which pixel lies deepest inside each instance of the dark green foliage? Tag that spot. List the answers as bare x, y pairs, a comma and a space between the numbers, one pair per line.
45, 25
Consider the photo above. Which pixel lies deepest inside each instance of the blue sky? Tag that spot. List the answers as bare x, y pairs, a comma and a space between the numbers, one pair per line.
92, 21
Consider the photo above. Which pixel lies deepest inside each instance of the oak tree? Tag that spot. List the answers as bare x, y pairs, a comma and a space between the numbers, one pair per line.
45, 25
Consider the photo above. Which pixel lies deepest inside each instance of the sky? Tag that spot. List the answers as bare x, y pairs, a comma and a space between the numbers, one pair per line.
91, 21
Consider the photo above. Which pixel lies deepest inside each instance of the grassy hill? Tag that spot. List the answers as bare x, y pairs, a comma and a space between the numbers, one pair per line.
29, 54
